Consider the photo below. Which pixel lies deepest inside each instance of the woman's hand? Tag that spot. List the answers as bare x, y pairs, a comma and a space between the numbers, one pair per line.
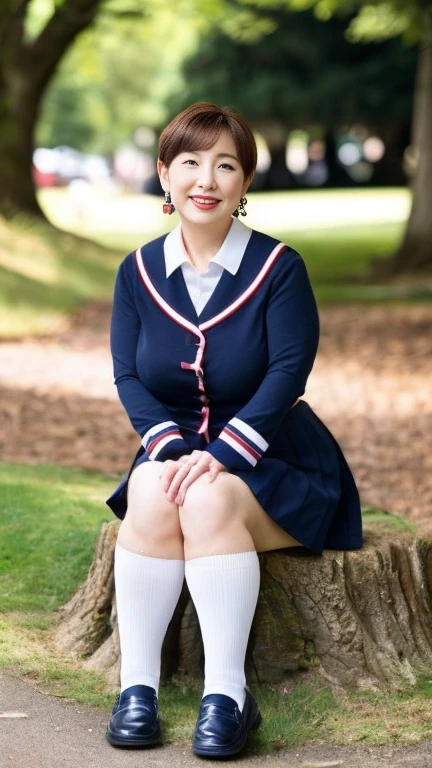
178, 476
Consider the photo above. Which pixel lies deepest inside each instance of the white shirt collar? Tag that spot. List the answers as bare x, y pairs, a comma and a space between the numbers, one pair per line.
229, 255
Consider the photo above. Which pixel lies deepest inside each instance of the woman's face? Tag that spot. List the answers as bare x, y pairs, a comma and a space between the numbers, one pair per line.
206, 185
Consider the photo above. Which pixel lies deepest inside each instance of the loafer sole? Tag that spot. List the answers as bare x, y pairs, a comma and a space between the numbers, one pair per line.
230, 749
132, 742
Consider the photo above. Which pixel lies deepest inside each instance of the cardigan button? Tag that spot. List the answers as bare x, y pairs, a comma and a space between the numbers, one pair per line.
204, 399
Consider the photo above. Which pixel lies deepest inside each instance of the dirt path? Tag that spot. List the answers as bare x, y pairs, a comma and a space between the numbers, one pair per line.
371, 384
56, 733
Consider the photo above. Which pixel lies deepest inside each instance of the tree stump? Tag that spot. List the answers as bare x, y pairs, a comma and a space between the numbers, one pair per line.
362, 619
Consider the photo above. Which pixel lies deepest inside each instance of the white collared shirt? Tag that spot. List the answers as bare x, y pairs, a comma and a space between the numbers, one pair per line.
201, 285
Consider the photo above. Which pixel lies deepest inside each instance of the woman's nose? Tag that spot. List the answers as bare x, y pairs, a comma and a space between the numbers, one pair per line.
206, 178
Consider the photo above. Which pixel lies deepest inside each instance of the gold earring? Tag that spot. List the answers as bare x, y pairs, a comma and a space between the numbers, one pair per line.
241, 208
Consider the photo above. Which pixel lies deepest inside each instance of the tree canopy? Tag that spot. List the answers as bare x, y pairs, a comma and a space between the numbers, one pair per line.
302, 71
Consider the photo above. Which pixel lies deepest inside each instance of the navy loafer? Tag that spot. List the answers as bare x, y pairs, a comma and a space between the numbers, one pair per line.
221, 729
134, 720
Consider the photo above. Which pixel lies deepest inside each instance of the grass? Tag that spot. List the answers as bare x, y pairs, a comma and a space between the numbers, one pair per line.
46, 274
338, 232
385, 522
50, 518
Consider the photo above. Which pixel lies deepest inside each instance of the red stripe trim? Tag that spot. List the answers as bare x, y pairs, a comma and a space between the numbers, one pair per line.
152, 445
241, 442
249, 292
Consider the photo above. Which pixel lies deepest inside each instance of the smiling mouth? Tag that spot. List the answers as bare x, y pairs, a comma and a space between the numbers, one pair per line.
205, 200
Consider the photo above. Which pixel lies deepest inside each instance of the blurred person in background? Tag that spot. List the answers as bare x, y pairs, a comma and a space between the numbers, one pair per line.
214, 334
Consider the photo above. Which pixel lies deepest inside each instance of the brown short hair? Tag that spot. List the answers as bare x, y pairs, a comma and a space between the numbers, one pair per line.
199, 126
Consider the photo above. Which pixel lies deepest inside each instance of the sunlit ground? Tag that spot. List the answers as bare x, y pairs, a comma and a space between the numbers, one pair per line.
124, 221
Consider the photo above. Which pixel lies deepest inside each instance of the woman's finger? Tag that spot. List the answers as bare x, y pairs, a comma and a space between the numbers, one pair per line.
194, 468
177, 479
195, 472
169, 470
214, 469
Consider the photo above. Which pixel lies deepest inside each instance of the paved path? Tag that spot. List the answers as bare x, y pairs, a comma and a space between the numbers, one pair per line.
56, 733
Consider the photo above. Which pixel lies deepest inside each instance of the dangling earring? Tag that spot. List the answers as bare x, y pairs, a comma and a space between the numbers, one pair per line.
168, 206
241, 208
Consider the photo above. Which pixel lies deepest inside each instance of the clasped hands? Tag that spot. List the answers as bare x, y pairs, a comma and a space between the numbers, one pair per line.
178, 476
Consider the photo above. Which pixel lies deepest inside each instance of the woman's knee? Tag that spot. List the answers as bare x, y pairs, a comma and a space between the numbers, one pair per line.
210, 509
149, 513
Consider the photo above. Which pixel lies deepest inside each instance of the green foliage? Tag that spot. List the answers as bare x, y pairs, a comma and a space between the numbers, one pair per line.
377, 23
376, 19
274, 66
38, 14
115, 76
302, 72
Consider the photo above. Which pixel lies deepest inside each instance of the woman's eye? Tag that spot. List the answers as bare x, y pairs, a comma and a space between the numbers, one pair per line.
190, 162
227, 166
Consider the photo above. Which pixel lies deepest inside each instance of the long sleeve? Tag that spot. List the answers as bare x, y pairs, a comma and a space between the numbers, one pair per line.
292, 328
160, 436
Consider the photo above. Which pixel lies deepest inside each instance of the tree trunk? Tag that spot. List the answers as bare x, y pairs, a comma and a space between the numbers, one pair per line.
17, 192
360, 619
26, 68
278, 176
415, 253
389, 170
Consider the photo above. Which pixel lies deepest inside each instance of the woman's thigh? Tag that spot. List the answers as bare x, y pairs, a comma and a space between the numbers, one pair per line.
231, 492
266, 534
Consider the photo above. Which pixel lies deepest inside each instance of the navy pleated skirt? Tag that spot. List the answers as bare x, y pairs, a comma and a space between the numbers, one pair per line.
306, 487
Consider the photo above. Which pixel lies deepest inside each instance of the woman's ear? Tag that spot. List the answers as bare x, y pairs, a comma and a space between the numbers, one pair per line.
247, 183
163, 175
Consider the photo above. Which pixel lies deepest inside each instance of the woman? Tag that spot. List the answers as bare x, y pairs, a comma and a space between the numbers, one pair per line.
214, 334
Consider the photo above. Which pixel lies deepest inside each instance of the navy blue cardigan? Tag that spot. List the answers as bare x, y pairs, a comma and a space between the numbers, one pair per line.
224, 381
228, 382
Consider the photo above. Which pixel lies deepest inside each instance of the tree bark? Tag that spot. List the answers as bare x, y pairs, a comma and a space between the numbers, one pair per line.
415, 252
360, 619
26, 68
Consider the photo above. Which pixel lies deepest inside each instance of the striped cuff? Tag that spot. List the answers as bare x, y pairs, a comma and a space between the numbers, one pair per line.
158, 437
238, 446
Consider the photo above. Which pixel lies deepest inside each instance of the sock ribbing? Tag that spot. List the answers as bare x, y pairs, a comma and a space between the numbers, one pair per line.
224, 589
147, 591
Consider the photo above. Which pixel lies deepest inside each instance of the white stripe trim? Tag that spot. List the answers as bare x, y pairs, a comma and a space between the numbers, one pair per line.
170, 311
249, 432
262, 274
158, 428
161, 444
238, 448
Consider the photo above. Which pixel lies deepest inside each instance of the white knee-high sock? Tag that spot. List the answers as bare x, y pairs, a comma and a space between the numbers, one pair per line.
224, 589
147, 590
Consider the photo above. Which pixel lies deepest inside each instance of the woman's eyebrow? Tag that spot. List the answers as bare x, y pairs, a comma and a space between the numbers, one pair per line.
219, 155
226, 154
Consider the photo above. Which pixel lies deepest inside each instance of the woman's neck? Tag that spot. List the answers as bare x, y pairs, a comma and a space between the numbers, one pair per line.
203, 242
